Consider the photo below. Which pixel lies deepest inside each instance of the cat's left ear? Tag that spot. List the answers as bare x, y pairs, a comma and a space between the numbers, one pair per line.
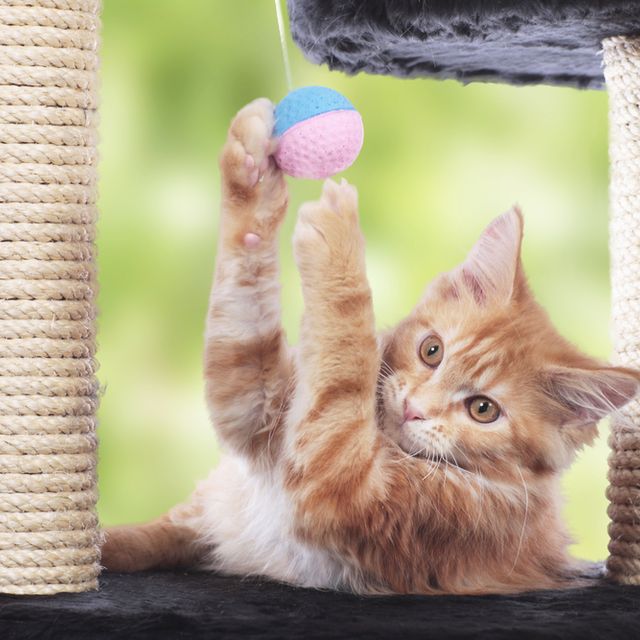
492, 271
582, 397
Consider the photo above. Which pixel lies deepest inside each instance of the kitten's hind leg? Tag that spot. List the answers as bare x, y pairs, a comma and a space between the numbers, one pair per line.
247, 364
165, 543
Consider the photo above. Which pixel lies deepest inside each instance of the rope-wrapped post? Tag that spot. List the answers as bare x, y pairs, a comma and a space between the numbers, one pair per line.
622, 73
48, 390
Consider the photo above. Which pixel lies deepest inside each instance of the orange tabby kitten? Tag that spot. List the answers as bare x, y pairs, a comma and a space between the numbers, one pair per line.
426, 460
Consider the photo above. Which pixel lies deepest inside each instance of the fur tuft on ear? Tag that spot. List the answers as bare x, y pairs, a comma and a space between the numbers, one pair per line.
585, 396
492, 268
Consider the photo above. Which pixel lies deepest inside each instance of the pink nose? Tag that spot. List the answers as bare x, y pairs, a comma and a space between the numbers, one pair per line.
410, 412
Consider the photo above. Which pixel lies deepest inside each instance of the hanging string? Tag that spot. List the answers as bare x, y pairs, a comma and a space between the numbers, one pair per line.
283, 45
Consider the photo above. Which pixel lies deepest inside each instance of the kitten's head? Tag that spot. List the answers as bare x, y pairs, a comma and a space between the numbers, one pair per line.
478, 377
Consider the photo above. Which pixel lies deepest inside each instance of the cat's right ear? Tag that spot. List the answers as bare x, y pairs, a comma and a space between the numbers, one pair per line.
492, 272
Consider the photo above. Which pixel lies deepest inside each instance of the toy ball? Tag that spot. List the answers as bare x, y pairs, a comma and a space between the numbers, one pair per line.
320, 133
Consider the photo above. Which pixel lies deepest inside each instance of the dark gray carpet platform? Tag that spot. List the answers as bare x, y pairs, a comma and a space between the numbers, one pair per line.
515, 41
163, 605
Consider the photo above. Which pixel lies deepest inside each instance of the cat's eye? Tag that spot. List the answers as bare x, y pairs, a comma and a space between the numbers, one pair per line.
483, 409
432, 351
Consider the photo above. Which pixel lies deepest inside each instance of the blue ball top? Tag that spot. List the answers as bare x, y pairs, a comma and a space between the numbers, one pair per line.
306, 102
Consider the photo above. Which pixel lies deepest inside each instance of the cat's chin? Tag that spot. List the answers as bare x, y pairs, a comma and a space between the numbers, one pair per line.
443, 460
425, 453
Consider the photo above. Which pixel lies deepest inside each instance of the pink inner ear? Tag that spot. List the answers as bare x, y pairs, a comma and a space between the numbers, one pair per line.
473, 284
592, 394
491, 267
623, 392
451, 293
492, 230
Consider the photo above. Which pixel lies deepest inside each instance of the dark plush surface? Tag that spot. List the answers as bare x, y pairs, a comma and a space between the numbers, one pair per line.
177, 605
540, 41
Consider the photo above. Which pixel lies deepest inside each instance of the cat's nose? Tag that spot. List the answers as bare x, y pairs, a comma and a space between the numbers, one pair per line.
411, 412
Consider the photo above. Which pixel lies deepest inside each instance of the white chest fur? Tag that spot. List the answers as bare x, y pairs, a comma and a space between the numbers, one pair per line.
248, 519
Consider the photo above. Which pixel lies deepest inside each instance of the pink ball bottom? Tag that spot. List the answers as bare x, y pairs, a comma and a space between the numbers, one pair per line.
321, 146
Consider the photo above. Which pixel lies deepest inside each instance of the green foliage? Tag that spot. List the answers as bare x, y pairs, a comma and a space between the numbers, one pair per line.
439, 161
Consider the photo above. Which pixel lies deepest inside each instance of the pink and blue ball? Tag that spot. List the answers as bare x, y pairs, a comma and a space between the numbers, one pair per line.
320, 133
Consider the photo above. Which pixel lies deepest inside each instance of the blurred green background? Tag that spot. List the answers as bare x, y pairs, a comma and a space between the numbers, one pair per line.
439, 161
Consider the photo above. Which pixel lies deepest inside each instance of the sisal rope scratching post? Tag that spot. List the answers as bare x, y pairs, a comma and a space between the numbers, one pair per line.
48, 391
622, 73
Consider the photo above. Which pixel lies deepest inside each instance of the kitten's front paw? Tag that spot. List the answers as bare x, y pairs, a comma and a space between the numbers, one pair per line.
253, 184
327, 233
245, 157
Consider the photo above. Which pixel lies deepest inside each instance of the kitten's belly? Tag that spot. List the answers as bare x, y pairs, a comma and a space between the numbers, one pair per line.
248, 520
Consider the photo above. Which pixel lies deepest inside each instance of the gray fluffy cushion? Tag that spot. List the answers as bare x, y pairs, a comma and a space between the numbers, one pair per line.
544, 41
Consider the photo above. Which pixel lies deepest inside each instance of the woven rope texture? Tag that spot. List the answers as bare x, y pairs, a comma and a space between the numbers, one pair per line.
622, 73
48, 391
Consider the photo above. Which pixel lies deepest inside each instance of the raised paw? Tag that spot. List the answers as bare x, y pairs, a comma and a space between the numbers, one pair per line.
245, 158
254, 190
327, 234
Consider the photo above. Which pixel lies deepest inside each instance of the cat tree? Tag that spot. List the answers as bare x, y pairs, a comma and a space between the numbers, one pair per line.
48, 392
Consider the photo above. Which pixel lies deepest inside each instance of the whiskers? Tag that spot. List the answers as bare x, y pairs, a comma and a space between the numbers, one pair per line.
464, 471
385, 373
435, 464
386, 368
449, 468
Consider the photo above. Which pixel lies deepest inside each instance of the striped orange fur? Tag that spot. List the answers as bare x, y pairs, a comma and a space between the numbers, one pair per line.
365, 462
